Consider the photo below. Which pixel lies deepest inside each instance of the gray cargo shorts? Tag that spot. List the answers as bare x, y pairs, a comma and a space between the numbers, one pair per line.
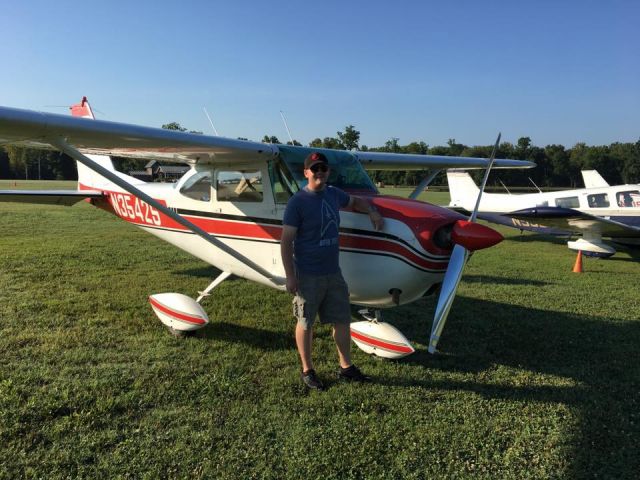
323, 295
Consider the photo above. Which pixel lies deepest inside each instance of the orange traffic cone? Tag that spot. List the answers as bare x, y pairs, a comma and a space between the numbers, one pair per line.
577, 268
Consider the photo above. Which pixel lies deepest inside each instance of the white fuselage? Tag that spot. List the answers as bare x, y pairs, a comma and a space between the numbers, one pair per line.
249, 220
609, 201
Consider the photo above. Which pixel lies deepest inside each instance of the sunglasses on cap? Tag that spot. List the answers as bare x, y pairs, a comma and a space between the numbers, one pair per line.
319, 167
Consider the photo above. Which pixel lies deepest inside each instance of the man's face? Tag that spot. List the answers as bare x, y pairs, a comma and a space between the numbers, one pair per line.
317, 176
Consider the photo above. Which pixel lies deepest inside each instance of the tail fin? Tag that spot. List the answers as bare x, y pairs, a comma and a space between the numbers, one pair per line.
82, 109
593, 179
462, 189
87, 178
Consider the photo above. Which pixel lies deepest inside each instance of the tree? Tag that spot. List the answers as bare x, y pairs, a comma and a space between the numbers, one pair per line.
455, 149
5, 172
349, 138
174, 126
392, 146
559, 163
18, 161
418, 148
627, 155
327, 142
270, 139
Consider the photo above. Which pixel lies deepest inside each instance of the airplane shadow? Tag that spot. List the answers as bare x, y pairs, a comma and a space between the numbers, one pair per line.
599, 355
203, 272
528, 238
252, 337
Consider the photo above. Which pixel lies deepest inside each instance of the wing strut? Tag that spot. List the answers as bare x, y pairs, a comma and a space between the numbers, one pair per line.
423, 184
76, 155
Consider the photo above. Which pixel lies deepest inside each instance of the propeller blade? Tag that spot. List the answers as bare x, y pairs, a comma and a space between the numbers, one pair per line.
447, 293
464, 234
492, 159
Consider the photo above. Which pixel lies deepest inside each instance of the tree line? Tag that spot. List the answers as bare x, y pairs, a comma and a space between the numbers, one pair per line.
557, 166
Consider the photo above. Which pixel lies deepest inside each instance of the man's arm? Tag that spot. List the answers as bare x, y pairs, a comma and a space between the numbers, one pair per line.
361, 205
286, 252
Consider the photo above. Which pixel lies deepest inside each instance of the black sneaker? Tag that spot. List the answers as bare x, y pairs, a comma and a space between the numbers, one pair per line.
353, 374
311, 381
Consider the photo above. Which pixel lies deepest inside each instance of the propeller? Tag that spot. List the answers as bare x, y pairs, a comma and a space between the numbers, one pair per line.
467, 236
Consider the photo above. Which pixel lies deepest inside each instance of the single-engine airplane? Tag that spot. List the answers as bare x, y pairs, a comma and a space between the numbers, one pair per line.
227, 210
598, 211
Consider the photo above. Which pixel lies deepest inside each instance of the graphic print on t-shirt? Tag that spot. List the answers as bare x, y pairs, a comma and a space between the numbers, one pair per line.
329, 218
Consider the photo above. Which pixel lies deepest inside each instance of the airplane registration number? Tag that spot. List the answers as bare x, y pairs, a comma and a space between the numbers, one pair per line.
130, 207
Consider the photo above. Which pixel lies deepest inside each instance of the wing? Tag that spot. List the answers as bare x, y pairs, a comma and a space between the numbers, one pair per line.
40, 130
52, 197
404, 161
99, 137
575, 221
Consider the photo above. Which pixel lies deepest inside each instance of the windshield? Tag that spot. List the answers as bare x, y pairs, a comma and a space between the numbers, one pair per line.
198, 186
346, 171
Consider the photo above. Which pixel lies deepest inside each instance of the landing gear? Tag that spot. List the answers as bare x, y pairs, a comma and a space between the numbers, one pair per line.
379, 338
219, 279
182, 314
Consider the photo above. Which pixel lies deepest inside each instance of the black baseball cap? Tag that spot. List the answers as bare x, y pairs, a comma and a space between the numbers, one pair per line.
313, 158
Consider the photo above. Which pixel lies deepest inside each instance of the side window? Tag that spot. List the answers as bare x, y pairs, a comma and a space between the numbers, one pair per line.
568, 202
239, 186
628, 198
282, 184
198, 187
598, 200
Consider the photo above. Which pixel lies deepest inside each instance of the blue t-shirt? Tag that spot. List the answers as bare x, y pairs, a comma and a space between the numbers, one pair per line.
317, 217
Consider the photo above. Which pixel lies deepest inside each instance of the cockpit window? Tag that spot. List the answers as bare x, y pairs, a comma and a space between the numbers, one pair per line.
198, 187
346, 172
282, 183
628, 198
239, 186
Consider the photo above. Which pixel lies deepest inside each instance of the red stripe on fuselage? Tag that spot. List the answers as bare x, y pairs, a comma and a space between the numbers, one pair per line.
273, 233
424, 219
388, 247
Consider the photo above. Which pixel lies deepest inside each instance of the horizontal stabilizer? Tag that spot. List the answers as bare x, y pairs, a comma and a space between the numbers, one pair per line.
48, 197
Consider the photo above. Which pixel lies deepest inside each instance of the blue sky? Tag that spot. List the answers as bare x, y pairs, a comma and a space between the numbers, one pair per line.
556, 71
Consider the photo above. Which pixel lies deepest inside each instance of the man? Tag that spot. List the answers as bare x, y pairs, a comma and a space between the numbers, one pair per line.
310, 249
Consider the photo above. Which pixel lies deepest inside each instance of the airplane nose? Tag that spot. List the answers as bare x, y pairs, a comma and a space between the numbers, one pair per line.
474, 236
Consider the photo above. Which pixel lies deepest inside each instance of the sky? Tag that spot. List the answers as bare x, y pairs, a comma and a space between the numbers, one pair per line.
560, 72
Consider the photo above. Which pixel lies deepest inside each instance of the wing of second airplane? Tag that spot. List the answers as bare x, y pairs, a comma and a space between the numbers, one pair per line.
571, 220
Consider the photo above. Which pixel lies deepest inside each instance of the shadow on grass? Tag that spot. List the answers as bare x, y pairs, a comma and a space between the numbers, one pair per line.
598, 354
503, 280
203, 272
529, 237
252, 337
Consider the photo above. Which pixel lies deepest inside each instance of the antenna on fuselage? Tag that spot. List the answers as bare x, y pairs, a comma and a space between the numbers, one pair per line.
286, 126
209, 118
505, 187
534, 184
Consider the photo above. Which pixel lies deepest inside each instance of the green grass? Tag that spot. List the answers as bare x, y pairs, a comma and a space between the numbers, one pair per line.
538, 375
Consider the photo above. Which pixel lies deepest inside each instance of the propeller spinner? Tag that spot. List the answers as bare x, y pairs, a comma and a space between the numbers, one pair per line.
466, 236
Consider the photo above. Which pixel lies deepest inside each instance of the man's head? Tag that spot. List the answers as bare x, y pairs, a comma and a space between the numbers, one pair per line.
316, 170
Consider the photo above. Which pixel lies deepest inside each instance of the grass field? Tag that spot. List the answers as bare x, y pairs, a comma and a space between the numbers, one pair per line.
538, 377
